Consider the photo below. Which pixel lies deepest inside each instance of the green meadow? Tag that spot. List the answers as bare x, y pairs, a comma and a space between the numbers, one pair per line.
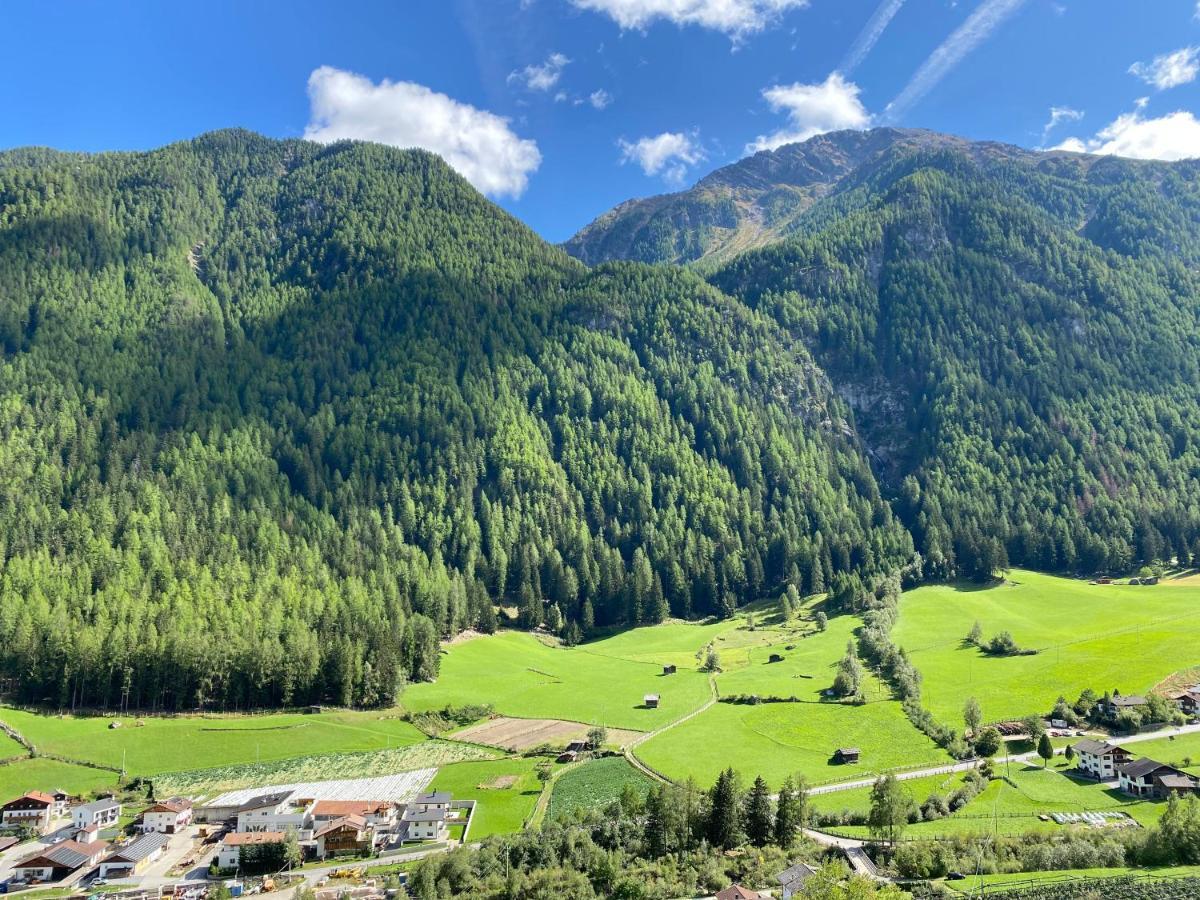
1182, 751
504, 789
595, 683
1102, 637
166, 744
49, 774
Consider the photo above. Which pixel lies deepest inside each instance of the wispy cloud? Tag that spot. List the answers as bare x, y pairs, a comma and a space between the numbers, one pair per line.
1169, 70
669, 154
599, 99
541, 77
870, 35
1058, 115
736, 18
479, 144
812, 109
974, 31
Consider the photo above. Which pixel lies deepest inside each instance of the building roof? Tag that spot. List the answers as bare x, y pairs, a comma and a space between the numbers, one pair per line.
651, 697
39, 796
433, 797
98, 805
356, 822
434, 815
1131, 700
264, 801
1176, 782
1142, 767
849, 751
336, 809
175, 805
64, 854
242, 838
1096, 748
737, 892
145, 846
796, 872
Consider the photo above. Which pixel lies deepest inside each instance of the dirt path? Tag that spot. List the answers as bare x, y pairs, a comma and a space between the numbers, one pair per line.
641, 739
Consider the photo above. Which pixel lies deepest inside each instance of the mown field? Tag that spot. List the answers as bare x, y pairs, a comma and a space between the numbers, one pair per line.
198, 742
10, 747
594, 785
48, 774
1098, 636
594, 683
505, 789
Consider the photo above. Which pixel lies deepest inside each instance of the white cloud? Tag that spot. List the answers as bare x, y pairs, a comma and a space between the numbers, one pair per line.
599, 99
543, 77
1170, 137
1058, 115
1169, 70
478, 144
812, 109
964, 39
669, 154
736, 18
870, 35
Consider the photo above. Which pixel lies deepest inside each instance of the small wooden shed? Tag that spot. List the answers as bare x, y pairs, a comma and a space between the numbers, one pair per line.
668, 670
847, 754
650, 701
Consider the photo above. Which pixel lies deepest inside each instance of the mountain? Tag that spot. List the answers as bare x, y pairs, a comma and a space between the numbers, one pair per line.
749, 204
277, 417
1018, 335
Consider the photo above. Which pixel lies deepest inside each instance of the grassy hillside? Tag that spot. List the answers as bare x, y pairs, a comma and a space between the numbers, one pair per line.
1102, 637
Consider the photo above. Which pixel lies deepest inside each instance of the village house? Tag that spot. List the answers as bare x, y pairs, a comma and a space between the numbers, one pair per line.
133, 858
229, 854
1100, 759
62, 800
792, 879
1148, 778
347, 835
1118, 703
737, 892
1187, 700
428, 825
380, 814
431, 802
101, 813
34, 809
168, 816
58, 861
277, 812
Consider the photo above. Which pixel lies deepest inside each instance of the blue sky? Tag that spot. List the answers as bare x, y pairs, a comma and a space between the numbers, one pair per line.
559, 109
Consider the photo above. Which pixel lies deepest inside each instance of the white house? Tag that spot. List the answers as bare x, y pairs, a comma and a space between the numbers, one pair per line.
1148, 778
379, 814
277, 812
34, 809
100, 813
133, 858
229, 854
58, 861
168, 816
431, 802
424, 826
1100, 759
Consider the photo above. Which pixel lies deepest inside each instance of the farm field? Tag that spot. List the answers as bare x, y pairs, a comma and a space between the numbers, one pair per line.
520, 676
594, 785
166, 744
521, 734
1099, 636
40, 774
506, 791
1066, 876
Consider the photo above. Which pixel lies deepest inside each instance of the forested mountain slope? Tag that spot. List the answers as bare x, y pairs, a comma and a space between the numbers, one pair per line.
1019, 336
276, 417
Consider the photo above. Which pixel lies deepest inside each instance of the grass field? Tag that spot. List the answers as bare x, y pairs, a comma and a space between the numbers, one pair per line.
971, 886
1183, 751
48, 774
504, 789
10, 747
594, 785
521, 676
195, 742
1097, 636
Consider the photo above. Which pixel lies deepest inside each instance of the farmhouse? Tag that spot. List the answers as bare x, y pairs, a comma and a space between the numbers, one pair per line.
133, 858
1187, 699
168, 816
793, 878
376, 813
847, 754
737, 892
59, 860
650, 701
347, 835
34, 809
1117, 703
423, 826
1100, 759
101, 813
229, 854
1148, 778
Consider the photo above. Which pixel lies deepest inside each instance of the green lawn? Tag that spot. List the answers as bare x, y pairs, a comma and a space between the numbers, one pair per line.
48, 774
971, 885
164, 744
594, 785
502, 807
521, 676
9, 747
1097, 636
1182, 752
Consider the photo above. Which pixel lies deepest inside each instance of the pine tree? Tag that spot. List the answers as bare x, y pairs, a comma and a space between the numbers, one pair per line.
758, 815
724, 826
